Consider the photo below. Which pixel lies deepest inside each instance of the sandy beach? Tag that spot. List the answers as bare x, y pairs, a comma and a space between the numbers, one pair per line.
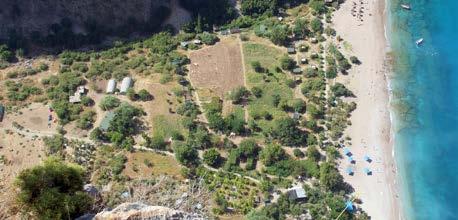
370, 129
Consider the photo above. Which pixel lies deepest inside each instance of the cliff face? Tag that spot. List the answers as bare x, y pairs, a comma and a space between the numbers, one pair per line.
131, 211
28, 16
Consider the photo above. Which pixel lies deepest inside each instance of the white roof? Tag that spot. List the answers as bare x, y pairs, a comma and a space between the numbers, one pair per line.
125, 84
111, 86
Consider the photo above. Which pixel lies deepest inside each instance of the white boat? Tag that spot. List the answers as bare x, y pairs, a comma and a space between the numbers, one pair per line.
419, 41
405, 6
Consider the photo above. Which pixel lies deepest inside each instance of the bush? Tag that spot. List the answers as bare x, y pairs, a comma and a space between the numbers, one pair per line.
340, 90
86, 120
287, 63
212, 157
144, 95
256, 65
286, 131
354, 60
256, 91
298, 153
316, 25
207, 38
109, 103
53, 190
186, 154
258, 7
239, 94
5, 54
272, 153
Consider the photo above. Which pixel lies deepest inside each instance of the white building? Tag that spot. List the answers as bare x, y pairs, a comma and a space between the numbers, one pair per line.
111, 86
125, 84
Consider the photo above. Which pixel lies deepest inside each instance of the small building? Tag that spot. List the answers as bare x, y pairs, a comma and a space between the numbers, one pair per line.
197, 41
125, 84
184, 44
297, 70
296, 193
105, 124
76, 97
111, 86
304, 60
291, 50
2, 112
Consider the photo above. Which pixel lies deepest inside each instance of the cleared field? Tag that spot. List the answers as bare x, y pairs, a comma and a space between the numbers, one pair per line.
217, 68
272, 82
147, 164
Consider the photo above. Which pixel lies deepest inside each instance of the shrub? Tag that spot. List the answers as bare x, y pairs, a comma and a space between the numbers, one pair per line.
212, 157
186, 155
354, 60
109, 102
298, 153
53, 190
144, 95
208, 38
258, 7
287, 63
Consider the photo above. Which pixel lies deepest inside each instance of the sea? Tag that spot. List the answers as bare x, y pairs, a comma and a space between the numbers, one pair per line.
424, 102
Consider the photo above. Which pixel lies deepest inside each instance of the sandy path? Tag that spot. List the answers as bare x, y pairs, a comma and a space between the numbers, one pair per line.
370, 130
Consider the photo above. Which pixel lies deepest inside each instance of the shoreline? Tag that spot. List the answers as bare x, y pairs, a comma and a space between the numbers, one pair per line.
371, 131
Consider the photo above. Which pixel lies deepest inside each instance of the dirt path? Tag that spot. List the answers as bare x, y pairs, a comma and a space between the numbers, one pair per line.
244, 76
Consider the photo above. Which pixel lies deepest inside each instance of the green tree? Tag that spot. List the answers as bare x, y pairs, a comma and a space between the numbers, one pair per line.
131, 94
86, 120
239, 94
256, 91
5, 54
109, 102
186, 154
316, 25
313, 153
300, 29
258, 7
144, 95
330, 177
340, 90
256, 65
272, 153
287, 63
279, 35
53, 190
286, 131
212, 157
208, 38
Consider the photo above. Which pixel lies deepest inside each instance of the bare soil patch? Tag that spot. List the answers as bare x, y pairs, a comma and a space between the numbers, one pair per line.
218, 68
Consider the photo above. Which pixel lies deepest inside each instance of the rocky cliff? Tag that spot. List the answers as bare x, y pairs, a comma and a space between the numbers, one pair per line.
41, 16
140, 211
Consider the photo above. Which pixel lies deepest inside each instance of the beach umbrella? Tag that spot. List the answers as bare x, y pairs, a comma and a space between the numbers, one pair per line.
350, 159
349, 206
367, 158
349, 171
367, 171
347, 152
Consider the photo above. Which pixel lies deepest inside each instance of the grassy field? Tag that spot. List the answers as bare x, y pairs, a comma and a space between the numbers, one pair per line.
272, 82
147, 164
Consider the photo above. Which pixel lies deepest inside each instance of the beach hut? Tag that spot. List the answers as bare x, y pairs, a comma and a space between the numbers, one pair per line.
349, 207
125, 84
297, 70
367, 171
111, 86
296, 193
2, 112
349, 171
291, 50
347, 152
367, 158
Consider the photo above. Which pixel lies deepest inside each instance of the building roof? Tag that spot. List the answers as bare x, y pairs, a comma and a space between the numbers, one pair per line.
106, 121
75, 98
297, 70
125, 84
111, 86
291, 50
296, 193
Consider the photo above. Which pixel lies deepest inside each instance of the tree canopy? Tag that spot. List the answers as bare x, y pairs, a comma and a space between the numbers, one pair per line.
53, 190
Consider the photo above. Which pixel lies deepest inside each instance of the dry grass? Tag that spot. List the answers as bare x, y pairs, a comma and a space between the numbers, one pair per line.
147, 164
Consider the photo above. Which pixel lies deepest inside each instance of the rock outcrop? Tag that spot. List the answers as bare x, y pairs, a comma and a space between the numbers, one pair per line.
140, 211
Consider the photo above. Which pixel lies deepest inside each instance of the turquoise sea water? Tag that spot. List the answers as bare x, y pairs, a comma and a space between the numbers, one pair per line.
425, 103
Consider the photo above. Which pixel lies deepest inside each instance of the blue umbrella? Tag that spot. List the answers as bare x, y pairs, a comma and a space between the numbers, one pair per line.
367, 158
347, 152
349, 171
349, 206
367, 171
350, 159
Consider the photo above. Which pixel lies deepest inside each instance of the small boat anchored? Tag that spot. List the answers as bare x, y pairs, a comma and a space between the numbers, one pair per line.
405, 6
419, 41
